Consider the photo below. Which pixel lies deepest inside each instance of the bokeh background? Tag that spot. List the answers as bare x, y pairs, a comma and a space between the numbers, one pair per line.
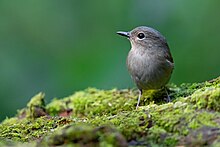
59, 47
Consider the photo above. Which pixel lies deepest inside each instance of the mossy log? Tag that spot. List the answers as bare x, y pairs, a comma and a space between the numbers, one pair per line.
95, 117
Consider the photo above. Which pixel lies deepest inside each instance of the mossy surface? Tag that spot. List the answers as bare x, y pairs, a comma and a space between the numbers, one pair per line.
108, 118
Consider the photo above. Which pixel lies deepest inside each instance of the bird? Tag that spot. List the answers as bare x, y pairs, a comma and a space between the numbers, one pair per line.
149, 60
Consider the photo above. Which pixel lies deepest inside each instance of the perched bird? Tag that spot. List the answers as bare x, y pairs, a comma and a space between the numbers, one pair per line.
149, 61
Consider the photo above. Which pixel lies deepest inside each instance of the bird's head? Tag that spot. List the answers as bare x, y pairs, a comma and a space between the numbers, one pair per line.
144, 37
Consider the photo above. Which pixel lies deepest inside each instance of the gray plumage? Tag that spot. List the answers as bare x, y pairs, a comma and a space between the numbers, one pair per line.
149, 61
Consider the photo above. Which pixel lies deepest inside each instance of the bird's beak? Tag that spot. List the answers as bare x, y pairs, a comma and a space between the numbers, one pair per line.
126, 34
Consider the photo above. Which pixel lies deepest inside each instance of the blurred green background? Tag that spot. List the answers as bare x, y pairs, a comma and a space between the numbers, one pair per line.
59, 47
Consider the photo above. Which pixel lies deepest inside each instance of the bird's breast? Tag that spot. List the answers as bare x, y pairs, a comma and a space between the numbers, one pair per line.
148, 69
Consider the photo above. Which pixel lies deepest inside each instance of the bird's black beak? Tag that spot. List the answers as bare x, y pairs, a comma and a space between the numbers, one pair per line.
126, 34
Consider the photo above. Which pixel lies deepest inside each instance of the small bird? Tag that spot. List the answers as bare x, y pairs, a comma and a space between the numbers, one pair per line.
149, 61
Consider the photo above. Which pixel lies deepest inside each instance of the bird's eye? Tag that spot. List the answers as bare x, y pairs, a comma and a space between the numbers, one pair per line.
141, 35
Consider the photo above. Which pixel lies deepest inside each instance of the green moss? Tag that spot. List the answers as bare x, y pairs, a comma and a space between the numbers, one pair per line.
171, 121
206, 99
37, 100
186, 89
130, 124
85, 135
27, 129
92, 102
205, 136
108, 118
56, 106
36, 106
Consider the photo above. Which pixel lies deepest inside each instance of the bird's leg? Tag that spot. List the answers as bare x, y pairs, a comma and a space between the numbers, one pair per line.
139, 97
168, 97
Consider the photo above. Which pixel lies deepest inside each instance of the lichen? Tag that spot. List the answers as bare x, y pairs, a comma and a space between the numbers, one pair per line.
95, 117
